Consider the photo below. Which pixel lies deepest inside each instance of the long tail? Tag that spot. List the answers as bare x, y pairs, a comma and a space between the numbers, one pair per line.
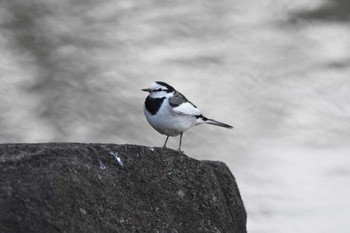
204, 120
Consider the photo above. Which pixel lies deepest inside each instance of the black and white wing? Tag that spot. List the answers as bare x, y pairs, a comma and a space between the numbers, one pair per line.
182, 106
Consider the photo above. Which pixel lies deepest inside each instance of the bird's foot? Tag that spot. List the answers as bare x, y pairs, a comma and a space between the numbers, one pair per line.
180, 151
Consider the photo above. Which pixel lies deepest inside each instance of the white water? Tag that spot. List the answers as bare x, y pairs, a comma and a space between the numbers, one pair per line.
72, 71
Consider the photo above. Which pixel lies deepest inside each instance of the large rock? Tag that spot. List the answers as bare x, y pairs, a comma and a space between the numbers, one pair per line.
67, 187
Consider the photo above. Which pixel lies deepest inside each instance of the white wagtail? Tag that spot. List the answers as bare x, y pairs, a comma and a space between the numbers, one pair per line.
170, 113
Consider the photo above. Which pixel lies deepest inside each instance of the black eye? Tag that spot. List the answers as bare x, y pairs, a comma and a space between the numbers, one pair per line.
160, 89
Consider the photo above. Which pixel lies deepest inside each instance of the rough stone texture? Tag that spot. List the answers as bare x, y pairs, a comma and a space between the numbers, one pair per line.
68, 187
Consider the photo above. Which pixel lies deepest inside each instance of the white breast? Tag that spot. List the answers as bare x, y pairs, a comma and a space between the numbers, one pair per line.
170, 122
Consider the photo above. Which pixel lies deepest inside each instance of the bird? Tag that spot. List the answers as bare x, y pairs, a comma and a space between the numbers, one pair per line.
171, 113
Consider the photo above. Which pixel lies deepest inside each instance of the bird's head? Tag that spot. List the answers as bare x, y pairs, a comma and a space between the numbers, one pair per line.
159, 89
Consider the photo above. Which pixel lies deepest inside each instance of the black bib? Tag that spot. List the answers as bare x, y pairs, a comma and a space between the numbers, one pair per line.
153, 104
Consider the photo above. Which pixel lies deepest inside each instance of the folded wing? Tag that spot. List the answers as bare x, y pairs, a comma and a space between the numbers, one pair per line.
182, 106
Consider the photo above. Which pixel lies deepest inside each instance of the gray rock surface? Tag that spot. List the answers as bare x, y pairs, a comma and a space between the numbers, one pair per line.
70, 187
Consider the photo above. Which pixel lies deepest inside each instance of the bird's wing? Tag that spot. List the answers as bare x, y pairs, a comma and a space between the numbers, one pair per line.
182, 106
187, 109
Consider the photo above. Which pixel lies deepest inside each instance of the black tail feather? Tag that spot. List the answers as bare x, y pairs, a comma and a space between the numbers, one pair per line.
214, 122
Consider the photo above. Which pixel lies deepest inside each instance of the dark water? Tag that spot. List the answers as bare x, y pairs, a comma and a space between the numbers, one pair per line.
279, 71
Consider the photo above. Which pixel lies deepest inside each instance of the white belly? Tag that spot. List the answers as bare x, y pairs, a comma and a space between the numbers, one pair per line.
168, 122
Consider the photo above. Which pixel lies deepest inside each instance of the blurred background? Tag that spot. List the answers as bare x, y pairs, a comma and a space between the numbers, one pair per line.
277, 70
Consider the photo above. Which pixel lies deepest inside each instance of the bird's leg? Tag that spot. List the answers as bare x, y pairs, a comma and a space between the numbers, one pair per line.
180, 142
166, 140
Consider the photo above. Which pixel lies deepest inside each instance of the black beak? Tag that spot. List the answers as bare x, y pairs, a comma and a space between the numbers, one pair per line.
146, 89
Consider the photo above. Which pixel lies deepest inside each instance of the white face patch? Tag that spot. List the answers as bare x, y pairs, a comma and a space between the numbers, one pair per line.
158, 94
187, 109
155, 86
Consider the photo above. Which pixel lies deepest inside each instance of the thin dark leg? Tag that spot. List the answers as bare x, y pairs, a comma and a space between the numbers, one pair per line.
180, 142
166, 140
